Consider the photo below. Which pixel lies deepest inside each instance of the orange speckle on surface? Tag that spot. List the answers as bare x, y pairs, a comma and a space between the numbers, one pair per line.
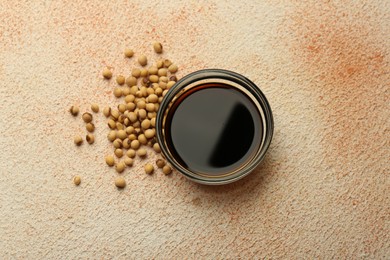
342, 52
347, 56
196, 201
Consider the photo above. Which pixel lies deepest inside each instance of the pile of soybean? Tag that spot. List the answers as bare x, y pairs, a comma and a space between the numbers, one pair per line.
131, 125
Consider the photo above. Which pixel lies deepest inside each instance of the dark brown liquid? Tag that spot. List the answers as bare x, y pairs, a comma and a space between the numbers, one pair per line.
213, 129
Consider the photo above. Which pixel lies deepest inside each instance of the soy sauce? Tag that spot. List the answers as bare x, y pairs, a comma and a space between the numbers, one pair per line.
213, 129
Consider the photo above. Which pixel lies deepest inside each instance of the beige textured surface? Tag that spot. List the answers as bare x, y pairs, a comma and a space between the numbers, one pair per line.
322, 191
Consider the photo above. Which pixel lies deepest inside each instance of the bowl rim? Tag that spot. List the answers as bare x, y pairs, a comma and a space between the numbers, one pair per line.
224, 75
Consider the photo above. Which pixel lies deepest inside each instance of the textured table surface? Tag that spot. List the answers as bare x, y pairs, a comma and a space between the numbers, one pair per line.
322, 190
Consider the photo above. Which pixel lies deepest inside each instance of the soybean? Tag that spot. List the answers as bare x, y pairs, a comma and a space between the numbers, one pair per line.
158, 48
149, 133
129, 130
150, 107
141, 152
153, 78
166, 169
158, 91
121, 134
142, 139
132, 117
120, 182
111, 124
90, 127
163, 79
119, 126
153, 122
145, 124
117, 143
74, 110
129, 53
76, 180
78, 140
142, 60
152, 70
122, 108
160, 163
110, 160
111, 136
90, 138
173, 68
120, 167
150, 91
126, 143
173, 78
131, 81
114, 113
142, 114
107, 74
118, 152
160, 64
148, 168
167, 63
130, 153
153, 98
129, 98
144, 72
128, 161
141, 104
136, 73
126, 91
118, 92
130, 106
107, 111
87, 117
156, 148
120, 80
135, 144
162, 72
95, 107
170, 84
